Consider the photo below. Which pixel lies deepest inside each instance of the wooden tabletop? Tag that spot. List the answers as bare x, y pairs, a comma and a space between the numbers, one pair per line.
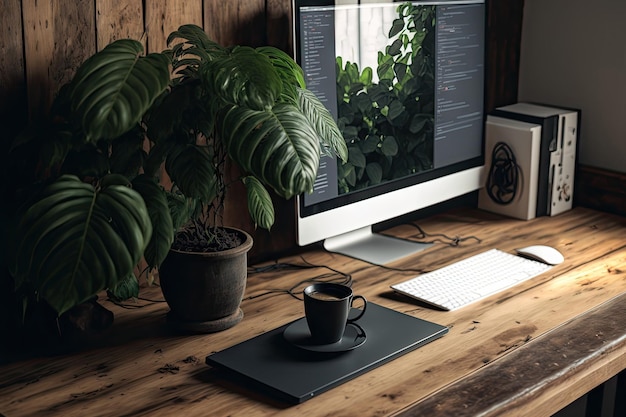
530, 350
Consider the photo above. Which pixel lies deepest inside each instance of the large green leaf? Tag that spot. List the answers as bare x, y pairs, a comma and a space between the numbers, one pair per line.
191, 168
77, 240
244, 77
113, 88
162, 226
182, 209
176, 111
287, 68
279, 146
259, 203
329, 135
127, 153
191, 46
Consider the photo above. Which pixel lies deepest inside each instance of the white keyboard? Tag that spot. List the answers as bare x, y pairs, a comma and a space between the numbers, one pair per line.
471, 279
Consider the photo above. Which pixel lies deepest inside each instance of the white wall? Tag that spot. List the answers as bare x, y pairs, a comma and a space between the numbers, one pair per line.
573, 54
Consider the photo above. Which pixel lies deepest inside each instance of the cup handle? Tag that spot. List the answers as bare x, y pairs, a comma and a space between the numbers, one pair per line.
362, 310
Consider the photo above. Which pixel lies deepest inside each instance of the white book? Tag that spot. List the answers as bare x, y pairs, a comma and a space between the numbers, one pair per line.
512, 151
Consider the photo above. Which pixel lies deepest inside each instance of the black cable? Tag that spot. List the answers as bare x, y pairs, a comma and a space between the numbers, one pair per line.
437, 238
335, 276
442, 238
504, 175
342, 277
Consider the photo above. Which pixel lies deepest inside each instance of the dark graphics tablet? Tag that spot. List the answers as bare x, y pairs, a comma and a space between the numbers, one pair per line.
293, 371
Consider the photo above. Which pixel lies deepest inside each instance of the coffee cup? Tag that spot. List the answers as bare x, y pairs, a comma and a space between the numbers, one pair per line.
327, 307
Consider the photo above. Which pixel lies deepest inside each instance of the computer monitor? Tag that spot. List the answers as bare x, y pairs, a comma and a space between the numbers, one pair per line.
405, 82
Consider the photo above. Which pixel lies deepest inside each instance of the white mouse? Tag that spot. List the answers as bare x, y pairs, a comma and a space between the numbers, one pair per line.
542, 253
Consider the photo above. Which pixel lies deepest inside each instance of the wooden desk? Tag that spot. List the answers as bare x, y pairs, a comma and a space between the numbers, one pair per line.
528, 351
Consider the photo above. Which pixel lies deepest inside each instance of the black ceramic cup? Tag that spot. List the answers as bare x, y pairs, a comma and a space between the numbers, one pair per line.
327, 308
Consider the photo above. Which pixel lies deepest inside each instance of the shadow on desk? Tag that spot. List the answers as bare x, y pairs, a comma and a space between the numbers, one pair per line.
392, 295
47, 337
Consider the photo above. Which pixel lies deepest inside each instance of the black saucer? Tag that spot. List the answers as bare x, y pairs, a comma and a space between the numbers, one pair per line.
298, 334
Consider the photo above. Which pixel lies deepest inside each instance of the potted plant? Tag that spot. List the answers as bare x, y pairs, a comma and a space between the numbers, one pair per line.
104, 205
230, 105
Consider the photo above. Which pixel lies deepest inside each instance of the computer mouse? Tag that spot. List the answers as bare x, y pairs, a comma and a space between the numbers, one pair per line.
542, 253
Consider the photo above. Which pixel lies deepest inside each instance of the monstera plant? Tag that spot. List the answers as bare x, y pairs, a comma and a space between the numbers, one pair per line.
238, 109
138, 152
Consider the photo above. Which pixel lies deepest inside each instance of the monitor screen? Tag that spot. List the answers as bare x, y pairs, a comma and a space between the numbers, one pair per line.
405, 83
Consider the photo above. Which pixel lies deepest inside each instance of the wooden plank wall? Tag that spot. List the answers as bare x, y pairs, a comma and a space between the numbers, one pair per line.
43, 42
600, 189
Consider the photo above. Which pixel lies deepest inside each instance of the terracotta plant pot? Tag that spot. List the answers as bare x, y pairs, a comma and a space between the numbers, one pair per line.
204, 290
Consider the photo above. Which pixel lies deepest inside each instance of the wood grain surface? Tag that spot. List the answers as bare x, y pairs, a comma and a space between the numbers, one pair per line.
118, 20
530, 349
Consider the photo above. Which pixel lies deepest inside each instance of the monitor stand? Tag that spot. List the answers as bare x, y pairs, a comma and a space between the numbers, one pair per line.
373, 247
